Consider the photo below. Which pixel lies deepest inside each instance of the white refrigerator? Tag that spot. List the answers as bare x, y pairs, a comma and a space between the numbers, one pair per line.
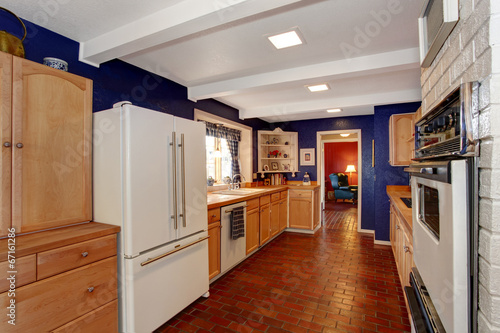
149, 178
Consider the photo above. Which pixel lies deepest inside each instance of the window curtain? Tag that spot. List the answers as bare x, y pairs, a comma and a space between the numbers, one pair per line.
233, 138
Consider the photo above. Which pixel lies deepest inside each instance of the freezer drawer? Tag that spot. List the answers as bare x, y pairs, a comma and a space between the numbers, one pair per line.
156, 290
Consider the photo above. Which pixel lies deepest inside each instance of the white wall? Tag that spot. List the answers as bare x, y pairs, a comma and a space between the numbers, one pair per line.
472, 53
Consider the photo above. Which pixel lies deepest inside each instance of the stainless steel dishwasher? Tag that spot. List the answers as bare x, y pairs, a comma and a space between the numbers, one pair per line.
232, 252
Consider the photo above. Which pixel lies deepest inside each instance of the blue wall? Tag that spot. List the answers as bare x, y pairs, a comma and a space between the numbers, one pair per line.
117, 81
385, 174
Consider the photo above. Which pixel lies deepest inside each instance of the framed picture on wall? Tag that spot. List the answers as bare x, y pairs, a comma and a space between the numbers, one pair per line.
274, 165
307, 156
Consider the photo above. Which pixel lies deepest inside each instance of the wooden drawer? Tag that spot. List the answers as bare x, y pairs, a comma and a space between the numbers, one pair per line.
300, 194
213, 215
72, 256
275, 197
283, 194
252, 204
26, 272
55, 301
101, 320
265, 199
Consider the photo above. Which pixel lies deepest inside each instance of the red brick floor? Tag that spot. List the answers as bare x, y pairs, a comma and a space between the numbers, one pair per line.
334, 281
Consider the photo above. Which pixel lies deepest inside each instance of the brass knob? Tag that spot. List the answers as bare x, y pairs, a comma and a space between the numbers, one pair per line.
91, 289
19, 145
85, 254
6, 144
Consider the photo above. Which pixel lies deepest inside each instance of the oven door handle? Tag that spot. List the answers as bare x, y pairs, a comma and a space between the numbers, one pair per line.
419, 317
425, 171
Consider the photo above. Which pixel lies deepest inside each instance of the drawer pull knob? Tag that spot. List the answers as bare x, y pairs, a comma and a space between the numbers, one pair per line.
406, 249
214, 215
6, 144
91, 289
19, 145
85, 254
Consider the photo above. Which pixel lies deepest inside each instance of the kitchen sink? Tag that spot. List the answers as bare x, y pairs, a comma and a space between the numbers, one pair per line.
240, 191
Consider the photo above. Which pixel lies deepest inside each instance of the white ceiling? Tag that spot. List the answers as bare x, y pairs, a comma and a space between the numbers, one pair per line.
366, 50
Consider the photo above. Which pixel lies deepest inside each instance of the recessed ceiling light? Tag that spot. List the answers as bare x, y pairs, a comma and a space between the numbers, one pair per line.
334, 110
345, 135
287, 39
318, 87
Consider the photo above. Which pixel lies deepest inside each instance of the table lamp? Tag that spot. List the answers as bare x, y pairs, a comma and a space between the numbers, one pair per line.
350, 169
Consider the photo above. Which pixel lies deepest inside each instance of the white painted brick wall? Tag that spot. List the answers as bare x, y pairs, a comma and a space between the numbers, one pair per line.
472, 53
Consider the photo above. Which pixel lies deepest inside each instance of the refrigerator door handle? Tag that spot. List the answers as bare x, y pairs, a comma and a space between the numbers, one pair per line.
150, 260
183, 179
174, 163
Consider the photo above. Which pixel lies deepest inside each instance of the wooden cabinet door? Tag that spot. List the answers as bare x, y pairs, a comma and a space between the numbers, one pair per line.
275, 218
213, 249
265, 224
401, 144
52, 140
252, 231
300, 211
283, 219
6, 137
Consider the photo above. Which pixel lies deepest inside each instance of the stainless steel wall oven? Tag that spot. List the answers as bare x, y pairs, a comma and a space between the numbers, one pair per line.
443, 292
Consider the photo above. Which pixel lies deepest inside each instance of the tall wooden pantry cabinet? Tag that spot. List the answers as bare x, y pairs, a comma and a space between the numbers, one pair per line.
46, 133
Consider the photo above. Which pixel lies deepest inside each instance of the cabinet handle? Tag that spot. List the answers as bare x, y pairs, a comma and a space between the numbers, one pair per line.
214, 215
85, 254
91, 289
19, 145
397, 226
406, 249
7, 144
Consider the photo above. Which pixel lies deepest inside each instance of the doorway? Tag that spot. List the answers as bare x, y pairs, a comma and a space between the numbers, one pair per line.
351, 136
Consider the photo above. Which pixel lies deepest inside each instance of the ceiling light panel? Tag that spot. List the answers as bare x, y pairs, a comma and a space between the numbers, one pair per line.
318, 87
333, 110
287, 39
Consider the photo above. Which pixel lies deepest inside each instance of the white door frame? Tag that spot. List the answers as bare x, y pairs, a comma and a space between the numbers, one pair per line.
321, 166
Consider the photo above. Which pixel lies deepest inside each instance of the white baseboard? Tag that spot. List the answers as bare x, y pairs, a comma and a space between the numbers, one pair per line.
379, 242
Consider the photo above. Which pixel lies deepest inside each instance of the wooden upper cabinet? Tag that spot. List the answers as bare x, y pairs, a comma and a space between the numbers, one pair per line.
51, 140
6, 137
401, 139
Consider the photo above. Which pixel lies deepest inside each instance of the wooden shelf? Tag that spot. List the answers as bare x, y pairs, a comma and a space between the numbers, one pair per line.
279, 137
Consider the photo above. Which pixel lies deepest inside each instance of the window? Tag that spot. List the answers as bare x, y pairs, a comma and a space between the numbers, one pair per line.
218, 159
245, 148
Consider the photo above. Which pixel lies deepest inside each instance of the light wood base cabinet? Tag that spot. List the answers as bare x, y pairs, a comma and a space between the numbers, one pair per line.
402, 246
75, 284
213, 249
252, 231
100, 320
304, 209
46, 133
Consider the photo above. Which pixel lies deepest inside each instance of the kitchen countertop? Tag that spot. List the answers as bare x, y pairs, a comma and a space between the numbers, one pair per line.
395, 192
219, 200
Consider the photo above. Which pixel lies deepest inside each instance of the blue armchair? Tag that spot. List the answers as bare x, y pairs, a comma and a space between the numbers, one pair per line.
342, 190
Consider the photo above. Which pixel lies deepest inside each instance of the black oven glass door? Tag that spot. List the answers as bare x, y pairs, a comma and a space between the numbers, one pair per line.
429, 208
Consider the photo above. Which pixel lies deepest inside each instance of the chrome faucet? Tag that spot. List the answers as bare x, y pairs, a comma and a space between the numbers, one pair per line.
237, 185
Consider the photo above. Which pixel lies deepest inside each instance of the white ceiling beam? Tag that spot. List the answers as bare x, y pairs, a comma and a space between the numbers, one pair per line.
392, 97
180, 20
366, 65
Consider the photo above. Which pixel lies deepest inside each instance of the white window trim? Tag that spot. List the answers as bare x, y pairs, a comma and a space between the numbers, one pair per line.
246, 144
